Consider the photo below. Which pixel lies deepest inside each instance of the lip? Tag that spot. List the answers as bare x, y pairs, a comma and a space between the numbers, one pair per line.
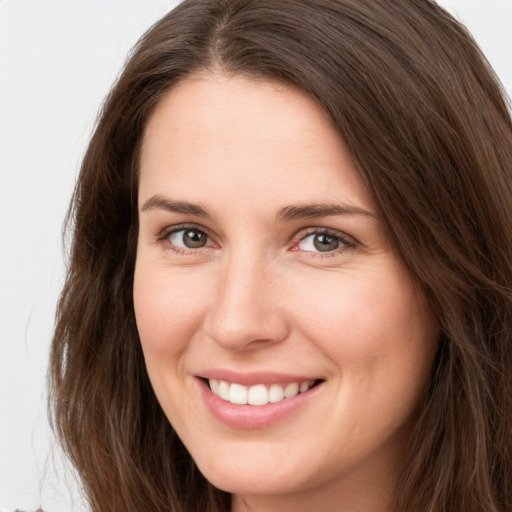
252, 417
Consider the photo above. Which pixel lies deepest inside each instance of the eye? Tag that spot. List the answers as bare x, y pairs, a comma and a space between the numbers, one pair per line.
188, 238
323, 242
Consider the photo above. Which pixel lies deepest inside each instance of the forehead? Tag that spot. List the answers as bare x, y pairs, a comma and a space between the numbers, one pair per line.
253, 136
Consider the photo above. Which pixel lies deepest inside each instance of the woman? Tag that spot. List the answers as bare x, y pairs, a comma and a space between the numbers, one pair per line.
290, 278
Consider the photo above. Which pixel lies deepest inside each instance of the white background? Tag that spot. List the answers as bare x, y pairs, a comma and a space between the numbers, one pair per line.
58, 59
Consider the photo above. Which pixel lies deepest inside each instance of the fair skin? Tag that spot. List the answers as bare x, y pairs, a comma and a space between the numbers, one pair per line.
262, 262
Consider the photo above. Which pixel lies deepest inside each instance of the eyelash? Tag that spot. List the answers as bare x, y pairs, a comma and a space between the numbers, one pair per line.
164, 238
346, 242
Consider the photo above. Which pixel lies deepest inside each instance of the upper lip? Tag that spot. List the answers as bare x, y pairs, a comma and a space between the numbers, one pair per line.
253, 378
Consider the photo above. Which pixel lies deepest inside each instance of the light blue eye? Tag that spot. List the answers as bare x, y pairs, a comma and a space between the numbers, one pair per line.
320, 242
188, 238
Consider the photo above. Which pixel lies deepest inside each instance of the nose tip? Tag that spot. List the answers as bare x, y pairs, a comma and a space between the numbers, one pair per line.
246, 312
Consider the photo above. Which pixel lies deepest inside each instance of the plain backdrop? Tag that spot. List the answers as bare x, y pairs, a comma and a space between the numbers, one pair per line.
58, 59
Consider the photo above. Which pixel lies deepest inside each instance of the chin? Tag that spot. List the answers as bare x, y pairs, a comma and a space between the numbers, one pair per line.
251, 476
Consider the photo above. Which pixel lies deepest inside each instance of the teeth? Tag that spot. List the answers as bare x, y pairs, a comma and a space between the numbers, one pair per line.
224, 390
291, 390
275, 393
305, 386
214, 385
259, 394
237, 394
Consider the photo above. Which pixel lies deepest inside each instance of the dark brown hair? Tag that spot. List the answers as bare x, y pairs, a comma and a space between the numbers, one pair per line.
426, 121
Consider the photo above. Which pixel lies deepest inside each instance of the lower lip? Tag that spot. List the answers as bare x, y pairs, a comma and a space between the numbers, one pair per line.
252, 417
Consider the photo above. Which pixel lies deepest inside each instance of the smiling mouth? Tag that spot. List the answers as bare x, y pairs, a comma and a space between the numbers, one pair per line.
259, 394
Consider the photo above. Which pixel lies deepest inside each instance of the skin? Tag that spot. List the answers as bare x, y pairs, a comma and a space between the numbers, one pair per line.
259, 296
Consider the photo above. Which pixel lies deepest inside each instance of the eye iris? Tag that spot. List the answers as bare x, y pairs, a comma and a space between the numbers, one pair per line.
194, 239
325, 243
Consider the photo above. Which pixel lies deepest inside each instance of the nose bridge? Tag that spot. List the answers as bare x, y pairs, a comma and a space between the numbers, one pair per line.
245, 309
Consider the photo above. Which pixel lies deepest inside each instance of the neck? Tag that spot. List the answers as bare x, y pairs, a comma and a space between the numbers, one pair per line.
353, 495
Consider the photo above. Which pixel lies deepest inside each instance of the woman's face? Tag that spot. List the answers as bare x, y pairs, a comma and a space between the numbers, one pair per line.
263, 270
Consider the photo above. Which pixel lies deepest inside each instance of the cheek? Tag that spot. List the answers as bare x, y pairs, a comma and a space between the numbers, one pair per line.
373, 326
167, 311
382, 339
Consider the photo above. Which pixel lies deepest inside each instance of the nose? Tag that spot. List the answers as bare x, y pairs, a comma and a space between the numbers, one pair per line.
246, 312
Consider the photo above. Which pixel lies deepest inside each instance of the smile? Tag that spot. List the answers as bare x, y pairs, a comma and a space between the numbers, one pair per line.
255, 400
259, 394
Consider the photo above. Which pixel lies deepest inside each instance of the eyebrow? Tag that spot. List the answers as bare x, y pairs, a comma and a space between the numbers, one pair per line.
314, 211
163, 203
288, 213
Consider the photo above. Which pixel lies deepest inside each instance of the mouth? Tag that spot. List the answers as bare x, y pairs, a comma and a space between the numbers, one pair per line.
250, 401
256, 400
258, 394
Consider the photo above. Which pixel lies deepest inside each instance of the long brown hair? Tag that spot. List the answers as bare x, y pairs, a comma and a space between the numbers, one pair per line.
425, 118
